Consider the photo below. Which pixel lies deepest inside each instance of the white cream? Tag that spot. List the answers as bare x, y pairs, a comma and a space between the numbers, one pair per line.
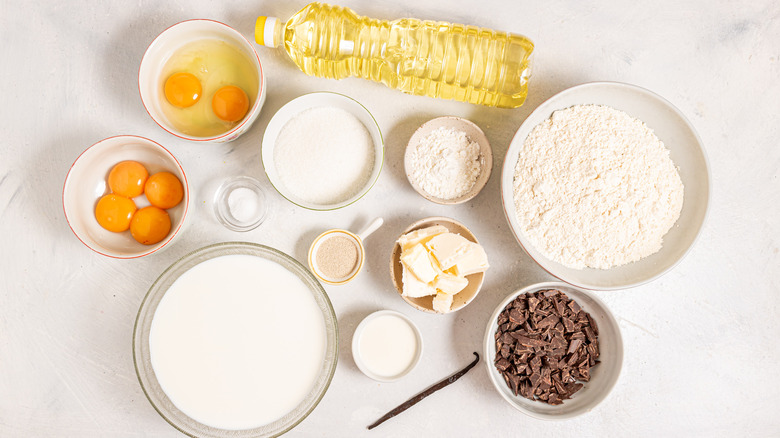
388, 346
237, 342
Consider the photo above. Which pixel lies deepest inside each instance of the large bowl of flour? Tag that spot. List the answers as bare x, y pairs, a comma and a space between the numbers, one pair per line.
606, 185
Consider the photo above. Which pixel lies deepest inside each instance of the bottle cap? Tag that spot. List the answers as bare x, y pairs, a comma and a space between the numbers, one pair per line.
265, 31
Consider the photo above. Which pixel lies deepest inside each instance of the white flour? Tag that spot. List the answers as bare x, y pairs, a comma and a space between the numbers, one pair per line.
324, 155
594, 187
445, 164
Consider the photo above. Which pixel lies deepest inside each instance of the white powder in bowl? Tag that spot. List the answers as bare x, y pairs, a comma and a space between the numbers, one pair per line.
594, 187
324, 155
446, 164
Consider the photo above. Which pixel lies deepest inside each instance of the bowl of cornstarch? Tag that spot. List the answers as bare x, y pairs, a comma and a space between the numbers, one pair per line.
323, 151
606, 185
448, 160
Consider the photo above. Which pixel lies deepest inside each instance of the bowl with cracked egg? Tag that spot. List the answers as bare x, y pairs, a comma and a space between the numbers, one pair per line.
606, 186
437, 265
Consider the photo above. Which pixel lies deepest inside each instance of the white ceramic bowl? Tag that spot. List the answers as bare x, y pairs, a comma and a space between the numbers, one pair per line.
602, 377
686, 151
356, 355
87, 181
151, 80
474, 133
314, 100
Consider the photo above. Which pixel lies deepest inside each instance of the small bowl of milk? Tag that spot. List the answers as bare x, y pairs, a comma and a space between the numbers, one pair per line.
386, 346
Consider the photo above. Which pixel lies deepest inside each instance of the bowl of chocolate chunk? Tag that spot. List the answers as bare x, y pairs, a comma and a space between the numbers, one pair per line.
553, 351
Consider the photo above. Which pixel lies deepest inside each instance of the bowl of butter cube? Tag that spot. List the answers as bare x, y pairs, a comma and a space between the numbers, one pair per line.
438, 265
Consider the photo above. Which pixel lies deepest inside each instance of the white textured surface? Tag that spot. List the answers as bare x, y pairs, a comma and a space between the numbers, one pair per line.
701, 343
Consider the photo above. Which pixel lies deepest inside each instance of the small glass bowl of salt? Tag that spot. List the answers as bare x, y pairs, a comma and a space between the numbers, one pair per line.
241, 204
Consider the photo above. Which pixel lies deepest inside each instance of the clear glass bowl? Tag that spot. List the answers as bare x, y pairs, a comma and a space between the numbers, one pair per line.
241, 204
141, 352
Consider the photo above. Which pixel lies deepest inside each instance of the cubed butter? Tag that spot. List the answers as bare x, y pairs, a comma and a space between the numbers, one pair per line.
413, 287
423, 235
420, 263
448, 248
449, 283
442, 302
473, 261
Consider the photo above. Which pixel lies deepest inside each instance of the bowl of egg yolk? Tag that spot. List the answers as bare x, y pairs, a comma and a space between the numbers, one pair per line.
201, 80
125, 197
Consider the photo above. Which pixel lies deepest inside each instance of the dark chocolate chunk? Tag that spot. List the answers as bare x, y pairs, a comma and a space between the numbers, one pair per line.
502, 364
516, 316
548, 321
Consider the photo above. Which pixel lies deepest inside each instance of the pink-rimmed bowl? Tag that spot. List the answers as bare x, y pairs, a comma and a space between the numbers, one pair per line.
151, 80
87, 181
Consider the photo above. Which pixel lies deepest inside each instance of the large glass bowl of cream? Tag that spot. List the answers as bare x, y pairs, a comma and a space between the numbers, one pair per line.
235, 340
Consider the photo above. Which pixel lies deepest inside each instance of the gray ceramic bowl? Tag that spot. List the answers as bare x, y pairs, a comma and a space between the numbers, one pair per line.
686, 151
603, 376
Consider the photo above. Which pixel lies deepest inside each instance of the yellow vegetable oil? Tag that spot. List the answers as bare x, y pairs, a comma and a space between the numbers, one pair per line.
427, 58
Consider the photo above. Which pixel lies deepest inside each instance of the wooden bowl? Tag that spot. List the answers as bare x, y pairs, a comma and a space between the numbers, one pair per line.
474, 133
425, 304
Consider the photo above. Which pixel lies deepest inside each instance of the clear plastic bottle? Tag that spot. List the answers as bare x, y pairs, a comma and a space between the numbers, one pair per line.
429, 58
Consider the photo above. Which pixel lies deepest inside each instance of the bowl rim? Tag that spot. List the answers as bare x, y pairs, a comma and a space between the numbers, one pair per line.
488, 341
356, 346
247, 118
507, 198
485, 151
140, 334
480, 276
378, 161
154, 248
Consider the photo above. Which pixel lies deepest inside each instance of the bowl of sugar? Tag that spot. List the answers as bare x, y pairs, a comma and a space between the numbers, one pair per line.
323, 151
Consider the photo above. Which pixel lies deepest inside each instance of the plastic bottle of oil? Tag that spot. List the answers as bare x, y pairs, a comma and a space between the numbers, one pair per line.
436, 59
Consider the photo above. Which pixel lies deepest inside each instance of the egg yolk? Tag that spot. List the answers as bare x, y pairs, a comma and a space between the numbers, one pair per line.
114, 212
230, 103
127, 179
150, 225
164, 190
183, 89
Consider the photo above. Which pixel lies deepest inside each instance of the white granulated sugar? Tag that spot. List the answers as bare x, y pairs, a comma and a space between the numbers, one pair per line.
595, 188
446, 163
324, 155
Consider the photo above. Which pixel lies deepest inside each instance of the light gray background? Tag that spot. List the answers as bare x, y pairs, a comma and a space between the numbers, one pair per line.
701, 342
